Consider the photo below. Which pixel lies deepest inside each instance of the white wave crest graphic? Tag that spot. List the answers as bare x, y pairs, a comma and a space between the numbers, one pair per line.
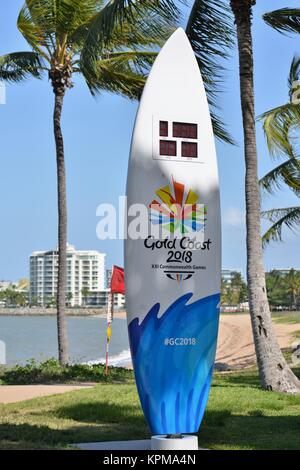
119, 360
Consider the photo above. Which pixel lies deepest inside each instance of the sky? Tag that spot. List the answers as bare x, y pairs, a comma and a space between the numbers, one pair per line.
97, 139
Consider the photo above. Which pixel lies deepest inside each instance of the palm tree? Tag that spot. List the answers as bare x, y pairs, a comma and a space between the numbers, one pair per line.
85, 293
274, 372
281, 126
111, 43
210, 31
69, 298
273, 369
293, 286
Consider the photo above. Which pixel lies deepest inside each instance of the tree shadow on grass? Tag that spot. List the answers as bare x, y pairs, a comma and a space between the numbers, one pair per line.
296, 371
85, 423
243, 379
36, 436
102, 412
79, 422
257, 431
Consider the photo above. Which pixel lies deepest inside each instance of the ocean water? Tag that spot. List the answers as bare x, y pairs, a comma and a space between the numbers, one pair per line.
29, 337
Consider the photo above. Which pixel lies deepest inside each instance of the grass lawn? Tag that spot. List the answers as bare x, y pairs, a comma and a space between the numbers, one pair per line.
239, 416
286, 317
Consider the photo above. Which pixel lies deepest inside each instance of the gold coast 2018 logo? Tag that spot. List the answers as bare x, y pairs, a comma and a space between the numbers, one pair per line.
180, 219
178, 211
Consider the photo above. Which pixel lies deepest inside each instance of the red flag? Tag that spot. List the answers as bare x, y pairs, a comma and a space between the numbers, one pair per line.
117, 285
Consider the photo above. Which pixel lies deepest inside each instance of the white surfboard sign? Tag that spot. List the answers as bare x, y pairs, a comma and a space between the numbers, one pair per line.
172, 272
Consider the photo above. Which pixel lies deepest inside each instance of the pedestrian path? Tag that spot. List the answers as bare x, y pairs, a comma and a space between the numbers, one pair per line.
16, 393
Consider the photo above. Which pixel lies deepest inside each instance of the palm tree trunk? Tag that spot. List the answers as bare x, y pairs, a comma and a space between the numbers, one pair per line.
62, 232
274, 372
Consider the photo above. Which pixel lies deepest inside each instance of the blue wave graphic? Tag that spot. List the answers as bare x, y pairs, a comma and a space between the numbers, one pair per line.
174, 381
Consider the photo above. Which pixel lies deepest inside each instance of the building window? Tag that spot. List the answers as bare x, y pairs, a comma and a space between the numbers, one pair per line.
189, 149
163, 128
185, 130
167, 147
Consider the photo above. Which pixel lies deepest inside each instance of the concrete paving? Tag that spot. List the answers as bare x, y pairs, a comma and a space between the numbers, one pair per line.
116, 445
16, 393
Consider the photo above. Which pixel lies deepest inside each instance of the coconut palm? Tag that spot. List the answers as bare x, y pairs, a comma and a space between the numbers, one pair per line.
111, 43
281, 126
273, 369
206, 34
210, 31
293, 286
85, 293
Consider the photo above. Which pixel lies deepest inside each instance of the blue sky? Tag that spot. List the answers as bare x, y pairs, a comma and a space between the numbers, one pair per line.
97, 139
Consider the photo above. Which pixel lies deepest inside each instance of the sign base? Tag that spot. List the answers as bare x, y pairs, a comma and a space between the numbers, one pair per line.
166, 443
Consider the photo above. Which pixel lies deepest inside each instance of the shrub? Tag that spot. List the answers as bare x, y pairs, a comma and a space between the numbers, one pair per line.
50, 371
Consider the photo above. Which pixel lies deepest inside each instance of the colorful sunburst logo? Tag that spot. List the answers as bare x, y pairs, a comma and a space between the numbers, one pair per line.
178, 210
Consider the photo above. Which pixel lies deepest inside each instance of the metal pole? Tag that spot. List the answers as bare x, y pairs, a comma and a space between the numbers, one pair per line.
110, 313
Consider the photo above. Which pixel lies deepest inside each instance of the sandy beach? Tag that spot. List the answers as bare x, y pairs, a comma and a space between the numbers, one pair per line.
235, 343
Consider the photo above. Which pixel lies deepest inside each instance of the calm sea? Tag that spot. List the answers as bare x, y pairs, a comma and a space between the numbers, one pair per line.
29, 337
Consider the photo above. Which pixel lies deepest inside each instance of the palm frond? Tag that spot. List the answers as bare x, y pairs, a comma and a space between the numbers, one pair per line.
71, 15
17, 66
119, 64
294, 76
284, 20
219, 128
150, 15
118, 11
288, 217
141, 61
44, 23
33, 34
114, 71
287, 172
117, 75
148, 30
42, 13
277, 125
210, 32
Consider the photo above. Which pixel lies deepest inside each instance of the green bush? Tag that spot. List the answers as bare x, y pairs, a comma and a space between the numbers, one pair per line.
50, 371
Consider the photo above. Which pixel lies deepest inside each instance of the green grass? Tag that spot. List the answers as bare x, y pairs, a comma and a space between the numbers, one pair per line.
240, 312
239, 416
286, 317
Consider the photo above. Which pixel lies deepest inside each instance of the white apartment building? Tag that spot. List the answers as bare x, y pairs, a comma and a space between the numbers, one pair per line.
285, 271
108, 275
85, 275
228, 274
100, 299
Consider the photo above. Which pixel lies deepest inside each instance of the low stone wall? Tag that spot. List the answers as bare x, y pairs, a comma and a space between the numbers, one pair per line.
36, 311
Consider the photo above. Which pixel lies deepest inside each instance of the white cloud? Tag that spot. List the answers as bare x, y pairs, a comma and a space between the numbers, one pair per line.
234, 216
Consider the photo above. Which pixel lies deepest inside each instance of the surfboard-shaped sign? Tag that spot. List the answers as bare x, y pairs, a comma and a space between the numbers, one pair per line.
172, 250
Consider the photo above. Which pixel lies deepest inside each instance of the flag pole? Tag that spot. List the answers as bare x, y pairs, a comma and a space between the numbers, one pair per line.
116, 286
110, 313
